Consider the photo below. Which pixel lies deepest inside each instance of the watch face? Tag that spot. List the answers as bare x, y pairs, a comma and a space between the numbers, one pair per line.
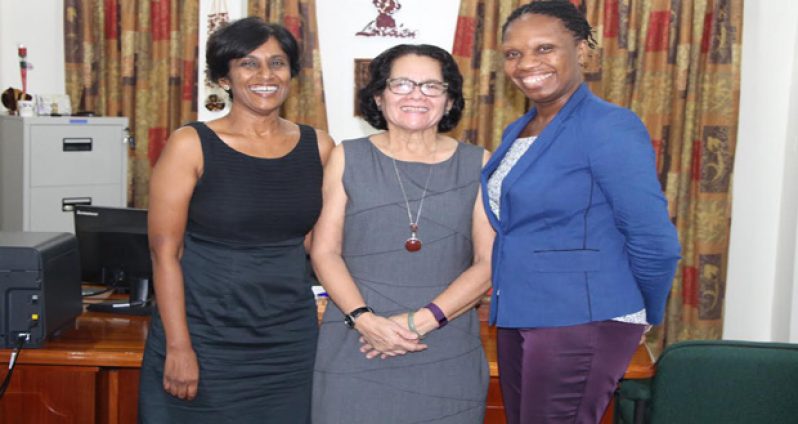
349, 321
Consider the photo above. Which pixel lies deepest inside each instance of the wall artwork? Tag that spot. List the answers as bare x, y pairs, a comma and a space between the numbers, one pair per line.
384, 25
216, 99
361, 79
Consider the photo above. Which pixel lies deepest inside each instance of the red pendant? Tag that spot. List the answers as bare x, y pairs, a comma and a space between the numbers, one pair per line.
413, 244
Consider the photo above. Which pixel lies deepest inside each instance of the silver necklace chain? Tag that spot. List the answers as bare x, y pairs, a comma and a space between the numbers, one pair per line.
423, 194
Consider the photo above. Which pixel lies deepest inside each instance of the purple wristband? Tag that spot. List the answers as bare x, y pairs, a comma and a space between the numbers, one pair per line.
438, 314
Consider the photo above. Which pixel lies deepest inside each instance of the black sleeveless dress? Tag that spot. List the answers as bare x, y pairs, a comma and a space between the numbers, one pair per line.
249, 305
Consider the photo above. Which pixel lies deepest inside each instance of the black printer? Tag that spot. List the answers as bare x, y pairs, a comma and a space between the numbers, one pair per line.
39, 285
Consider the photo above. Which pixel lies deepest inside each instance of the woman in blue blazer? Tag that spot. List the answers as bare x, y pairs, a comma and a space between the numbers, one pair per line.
585, 252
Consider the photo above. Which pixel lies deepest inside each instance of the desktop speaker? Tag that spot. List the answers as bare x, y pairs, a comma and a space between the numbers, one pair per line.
39, 285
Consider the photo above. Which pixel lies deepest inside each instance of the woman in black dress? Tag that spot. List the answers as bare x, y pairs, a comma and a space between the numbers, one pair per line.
231, 204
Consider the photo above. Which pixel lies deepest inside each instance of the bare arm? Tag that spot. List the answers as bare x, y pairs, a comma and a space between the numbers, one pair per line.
386, 336
326, 145
171, 186
469, 287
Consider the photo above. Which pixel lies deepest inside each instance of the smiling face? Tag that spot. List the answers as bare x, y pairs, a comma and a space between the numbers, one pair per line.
414, 111
542, 58
260, 81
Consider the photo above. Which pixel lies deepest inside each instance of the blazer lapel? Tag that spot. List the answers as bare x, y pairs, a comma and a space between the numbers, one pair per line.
512, 132
541, 144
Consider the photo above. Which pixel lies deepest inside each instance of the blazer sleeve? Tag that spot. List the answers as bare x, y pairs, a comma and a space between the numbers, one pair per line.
623, 164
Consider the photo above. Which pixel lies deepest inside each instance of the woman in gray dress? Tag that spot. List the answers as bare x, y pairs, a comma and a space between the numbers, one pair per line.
403, 248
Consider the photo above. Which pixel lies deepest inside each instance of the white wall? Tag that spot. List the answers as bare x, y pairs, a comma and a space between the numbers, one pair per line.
791, 160
39, 25
339, 20
761, 282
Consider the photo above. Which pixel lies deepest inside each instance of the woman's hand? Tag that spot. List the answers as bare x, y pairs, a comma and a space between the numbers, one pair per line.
181, 373
384, 337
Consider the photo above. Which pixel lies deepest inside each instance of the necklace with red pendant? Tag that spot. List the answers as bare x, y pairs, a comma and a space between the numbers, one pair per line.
413, 244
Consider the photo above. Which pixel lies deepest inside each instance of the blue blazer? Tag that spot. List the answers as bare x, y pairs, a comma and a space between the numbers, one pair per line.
583, 233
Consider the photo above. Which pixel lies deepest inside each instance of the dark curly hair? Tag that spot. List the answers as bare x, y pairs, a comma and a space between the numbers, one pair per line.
564, 10
380, 71
239, 38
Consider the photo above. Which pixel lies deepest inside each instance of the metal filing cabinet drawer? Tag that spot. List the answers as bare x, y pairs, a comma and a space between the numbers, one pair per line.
75, 154
51, 207
49, 164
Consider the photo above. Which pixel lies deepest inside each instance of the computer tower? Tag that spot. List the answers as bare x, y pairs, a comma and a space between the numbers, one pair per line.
39, 285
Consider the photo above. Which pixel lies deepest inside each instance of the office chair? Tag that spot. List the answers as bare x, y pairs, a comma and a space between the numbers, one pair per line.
717, 381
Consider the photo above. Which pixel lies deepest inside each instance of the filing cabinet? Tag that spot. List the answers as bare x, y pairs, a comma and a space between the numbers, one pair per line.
50, 164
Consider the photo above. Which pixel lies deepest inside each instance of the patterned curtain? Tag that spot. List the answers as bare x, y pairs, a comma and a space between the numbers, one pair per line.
136, 59
306, 103
492, 101
676, 63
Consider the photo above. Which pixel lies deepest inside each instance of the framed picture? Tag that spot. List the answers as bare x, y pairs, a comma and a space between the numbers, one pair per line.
361, 79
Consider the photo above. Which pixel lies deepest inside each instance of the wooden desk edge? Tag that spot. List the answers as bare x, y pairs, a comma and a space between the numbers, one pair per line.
130, 355
66, 357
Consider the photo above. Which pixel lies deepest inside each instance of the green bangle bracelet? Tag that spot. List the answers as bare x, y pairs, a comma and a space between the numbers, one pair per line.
411, 323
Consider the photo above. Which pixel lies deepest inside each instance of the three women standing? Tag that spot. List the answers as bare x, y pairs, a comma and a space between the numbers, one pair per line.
583, 259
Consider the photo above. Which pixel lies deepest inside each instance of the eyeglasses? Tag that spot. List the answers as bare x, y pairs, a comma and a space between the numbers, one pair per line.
406, 86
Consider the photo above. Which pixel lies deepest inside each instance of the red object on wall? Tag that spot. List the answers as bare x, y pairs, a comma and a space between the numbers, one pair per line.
156, 140
611, 18
161, 15
690, 286
464, 36
658, 30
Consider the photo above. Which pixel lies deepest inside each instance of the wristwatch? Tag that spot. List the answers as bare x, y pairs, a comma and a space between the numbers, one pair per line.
349, 319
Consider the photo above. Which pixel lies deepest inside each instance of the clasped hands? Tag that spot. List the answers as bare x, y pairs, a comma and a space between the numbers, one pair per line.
391, 336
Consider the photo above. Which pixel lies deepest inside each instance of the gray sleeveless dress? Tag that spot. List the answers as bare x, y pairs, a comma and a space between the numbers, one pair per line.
448, 382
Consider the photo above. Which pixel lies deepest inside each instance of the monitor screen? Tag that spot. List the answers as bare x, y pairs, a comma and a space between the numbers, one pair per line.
113, 245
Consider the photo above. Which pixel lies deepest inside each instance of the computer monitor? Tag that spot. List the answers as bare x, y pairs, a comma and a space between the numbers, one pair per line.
114, 250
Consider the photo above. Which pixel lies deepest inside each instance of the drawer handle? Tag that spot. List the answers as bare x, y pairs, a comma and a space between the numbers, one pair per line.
68, 203
77, 144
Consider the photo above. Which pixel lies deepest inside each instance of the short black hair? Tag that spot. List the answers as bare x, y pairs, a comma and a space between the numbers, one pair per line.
380, 71
573, 19
239, 38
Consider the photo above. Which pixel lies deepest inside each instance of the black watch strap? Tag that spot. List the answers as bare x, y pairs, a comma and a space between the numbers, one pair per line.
349, 319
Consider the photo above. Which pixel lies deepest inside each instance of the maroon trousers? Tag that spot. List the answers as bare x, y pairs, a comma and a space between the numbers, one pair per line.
563, 374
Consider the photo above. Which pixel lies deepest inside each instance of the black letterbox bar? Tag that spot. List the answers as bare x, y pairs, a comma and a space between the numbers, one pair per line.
68, 203
77, 144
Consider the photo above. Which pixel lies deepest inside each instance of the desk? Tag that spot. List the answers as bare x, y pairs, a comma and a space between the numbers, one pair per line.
89, 374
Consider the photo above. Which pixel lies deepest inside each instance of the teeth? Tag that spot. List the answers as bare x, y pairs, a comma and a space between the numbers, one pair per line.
535, 79
414, 109
263, 88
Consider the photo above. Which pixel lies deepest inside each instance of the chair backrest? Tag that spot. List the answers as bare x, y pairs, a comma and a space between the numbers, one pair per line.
726, 382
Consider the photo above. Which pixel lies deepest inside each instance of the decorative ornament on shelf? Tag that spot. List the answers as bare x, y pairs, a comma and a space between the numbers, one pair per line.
10, 98
22, 52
